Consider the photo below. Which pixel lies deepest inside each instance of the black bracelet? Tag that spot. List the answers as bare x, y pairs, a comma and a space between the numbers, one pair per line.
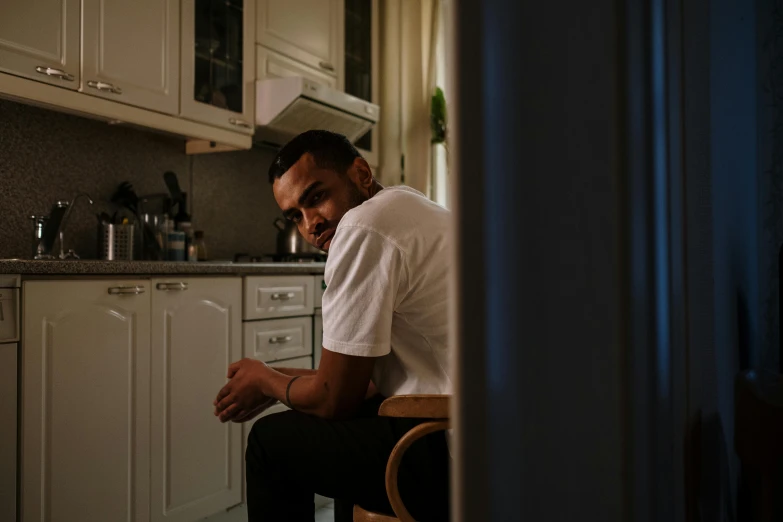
288, 391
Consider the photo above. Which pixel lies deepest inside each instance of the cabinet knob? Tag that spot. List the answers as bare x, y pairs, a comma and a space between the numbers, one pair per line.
104, 87
181, 286
57, 73
240, 123
126, 290
326, 66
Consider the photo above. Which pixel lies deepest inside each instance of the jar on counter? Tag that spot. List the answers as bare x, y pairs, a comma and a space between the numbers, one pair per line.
201, 246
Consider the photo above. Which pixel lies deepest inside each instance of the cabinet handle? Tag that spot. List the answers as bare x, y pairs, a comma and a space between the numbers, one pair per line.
240, 123
282, 297
57, 73
104, 87
280, 339
126, 290
2, 316
327, 66
172, 286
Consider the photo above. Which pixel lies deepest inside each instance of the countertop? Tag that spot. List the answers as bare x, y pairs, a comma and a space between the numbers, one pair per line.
98, 267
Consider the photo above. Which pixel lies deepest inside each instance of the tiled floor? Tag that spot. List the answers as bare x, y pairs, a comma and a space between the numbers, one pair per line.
239, 514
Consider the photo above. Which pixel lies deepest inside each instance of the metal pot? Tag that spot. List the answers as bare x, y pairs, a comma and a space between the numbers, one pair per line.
290, 241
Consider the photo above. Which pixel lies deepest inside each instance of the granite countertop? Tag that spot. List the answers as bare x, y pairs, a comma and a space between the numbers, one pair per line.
99, 267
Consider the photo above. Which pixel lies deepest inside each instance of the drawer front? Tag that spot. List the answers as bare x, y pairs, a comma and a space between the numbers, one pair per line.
279, 339
305, 363
320, 287
268, 297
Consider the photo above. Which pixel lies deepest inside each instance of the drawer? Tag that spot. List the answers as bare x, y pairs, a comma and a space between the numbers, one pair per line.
278, 339
320, 286
300, 362
273, 296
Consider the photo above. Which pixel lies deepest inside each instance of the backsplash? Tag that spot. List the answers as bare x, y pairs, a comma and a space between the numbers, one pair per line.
46, 156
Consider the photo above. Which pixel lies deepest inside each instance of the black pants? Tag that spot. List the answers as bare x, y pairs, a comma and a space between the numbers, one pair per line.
291, 455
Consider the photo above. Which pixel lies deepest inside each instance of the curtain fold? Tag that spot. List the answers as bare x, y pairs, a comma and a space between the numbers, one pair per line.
409, 35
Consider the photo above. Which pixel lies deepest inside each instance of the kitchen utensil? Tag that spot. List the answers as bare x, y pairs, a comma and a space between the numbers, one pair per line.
127, 198
290, 241
115, 242
173, 185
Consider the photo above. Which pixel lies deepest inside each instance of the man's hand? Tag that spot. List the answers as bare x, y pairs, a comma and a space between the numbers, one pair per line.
241, 398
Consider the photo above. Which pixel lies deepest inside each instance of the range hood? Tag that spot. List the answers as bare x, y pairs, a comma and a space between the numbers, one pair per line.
286, 107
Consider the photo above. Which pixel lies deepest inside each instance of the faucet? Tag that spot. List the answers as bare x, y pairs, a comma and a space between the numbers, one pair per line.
55, 227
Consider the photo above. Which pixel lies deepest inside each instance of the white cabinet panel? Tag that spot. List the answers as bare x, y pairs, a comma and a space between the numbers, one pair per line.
85, 401
278, 296
217, 63
278, 339
309, 31
40, 40
196, 460
320, 288
131, 52
270, 64
8, 431
318, 337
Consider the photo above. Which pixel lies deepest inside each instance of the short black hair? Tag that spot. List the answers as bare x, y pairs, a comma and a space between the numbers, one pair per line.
330, 150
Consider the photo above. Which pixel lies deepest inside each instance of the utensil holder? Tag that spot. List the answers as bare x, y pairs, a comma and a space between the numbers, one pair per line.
115, 242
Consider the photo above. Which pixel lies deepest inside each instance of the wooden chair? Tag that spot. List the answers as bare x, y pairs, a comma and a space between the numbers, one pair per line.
434, 408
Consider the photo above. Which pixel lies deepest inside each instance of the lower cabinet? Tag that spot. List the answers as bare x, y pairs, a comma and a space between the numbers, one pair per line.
197, 461
117, 384
85, 401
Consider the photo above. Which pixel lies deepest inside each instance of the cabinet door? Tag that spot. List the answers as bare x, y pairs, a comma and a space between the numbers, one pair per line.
270, 64
40, 40
362, 64
309, 31
218, 63
85, 401
130, 52
8, 431
196, 460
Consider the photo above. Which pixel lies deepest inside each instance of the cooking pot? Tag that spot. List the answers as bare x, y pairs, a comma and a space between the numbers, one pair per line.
290, 241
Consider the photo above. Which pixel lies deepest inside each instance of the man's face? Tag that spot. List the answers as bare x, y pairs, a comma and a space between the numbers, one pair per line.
316, 199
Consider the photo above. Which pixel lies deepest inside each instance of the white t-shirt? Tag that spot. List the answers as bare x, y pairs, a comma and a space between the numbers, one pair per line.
387, 291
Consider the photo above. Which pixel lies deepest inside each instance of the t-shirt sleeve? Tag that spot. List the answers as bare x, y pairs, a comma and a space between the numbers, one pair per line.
363, 279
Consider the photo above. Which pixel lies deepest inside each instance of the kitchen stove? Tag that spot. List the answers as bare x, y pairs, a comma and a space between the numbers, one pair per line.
280, 258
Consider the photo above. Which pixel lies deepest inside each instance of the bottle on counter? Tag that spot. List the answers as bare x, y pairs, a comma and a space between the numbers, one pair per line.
201, 246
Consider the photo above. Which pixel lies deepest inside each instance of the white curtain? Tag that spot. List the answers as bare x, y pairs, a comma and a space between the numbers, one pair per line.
409, 34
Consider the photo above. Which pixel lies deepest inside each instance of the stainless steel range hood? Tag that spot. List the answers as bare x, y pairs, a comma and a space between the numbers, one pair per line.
286, 107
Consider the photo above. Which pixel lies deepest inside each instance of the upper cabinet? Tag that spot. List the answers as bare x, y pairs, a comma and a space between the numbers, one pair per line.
40, 40
309, 31
218, 62
361, 63
131, 52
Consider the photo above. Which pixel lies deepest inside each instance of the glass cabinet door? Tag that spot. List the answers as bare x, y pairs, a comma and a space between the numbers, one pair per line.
361, 62
218, 62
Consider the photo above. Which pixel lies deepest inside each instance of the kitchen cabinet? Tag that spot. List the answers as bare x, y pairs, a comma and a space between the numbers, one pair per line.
8, 437
271, 64
218, 63
362, 63
309, 31
130, 52
197, 461
85, 401
278, 339
268, 297
40, 40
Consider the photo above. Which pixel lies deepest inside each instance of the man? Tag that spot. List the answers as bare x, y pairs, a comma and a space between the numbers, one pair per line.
385, 333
